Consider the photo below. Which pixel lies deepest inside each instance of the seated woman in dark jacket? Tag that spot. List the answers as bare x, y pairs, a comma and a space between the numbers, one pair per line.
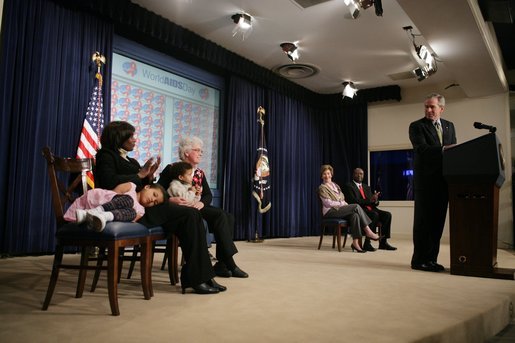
113, 167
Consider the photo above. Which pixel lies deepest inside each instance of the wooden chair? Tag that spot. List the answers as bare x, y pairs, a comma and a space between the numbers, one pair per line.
115, 235
169, 247
340, 227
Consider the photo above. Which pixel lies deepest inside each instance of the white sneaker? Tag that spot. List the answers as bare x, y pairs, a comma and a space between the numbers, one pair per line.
80, 215
95, 221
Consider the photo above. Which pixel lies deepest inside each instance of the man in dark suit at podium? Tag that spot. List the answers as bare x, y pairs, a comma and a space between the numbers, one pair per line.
430, 136
357, 192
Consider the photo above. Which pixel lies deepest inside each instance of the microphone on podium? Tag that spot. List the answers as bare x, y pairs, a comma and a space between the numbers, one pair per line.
481, 126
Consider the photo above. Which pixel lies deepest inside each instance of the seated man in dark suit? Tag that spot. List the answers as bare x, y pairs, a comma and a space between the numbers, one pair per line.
356, 192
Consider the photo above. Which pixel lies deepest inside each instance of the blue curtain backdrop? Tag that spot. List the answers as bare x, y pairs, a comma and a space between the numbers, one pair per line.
46, 80
46, 77
299, 140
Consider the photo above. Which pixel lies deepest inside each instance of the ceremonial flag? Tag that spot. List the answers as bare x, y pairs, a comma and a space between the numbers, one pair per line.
93, 123
261, 183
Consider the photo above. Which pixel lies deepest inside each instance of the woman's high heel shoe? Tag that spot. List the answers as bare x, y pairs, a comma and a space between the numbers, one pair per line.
356, 249
376, 238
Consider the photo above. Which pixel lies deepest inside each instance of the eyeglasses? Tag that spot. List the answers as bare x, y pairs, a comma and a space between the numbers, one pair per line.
198, 150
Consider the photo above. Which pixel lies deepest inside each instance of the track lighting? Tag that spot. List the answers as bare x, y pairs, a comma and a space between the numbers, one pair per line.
290, 49
349, 90
428, 62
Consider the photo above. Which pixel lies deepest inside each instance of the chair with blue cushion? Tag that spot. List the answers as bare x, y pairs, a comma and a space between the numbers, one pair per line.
114, 237
340, 227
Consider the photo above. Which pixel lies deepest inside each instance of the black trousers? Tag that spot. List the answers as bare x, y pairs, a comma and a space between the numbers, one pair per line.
429, 220
221, 224
187, 224
377, 215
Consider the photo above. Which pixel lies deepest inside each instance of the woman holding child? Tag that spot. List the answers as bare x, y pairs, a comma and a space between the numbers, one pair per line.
114, 167
220, 223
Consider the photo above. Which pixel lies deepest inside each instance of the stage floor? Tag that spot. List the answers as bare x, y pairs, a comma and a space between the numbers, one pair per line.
295, 293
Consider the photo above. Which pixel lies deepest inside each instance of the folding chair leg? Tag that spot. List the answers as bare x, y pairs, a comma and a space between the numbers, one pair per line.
322, 232
146, 275
120, 264
84, 256
98, 269
133, 262
165, 258
339, 238
58, 258
113, 257
345, 233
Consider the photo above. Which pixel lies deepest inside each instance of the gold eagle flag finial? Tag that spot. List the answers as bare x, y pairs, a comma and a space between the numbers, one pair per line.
261, 113
98, 59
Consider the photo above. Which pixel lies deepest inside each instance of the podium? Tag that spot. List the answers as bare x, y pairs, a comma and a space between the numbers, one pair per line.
474, 171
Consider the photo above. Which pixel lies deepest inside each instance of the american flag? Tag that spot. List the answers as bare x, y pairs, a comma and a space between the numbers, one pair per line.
93, 125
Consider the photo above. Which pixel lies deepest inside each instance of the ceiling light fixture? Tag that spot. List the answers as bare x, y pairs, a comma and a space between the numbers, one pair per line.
349, 90
243, 23
290, 49
355, 5
428, 66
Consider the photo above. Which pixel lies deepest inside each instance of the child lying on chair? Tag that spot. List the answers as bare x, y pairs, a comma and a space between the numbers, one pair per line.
99, 206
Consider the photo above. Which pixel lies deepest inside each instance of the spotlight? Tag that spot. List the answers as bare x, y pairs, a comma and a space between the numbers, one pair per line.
424, 72
349, 90
243, 20
425, 55
243, 23
353, 6
290, 49
428, 67
366, 3
420, 74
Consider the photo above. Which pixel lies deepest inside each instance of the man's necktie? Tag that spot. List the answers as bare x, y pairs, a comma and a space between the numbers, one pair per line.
439, 132
363, 196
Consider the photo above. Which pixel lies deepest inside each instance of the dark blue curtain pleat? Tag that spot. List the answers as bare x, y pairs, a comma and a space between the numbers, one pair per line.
345, 139
46, 79
294, 151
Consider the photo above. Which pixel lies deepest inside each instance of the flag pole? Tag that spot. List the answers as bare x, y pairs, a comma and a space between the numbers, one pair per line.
89, 140
259, 192
99, 60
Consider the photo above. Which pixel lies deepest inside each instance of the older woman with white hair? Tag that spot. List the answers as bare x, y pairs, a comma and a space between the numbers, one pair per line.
220, 223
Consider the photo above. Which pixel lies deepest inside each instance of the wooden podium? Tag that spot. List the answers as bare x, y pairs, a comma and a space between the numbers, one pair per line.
474, 171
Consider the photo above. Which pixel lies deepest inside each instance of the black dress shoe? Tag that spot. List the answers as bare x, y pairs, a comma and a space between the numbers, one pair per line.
386, 246
367, 246
426, 267
237, 272
203, 288
438, 267
221, 270
216, 285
